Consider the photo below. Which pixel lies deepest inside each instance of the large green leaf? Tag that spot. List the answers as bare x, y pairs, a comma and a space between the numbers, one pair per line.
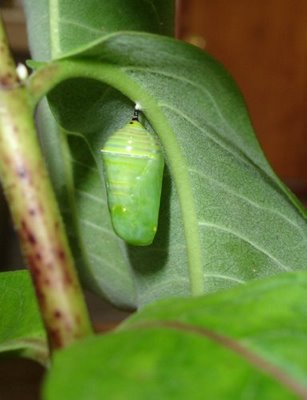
225, 217
21, 328
56, 27
245, 343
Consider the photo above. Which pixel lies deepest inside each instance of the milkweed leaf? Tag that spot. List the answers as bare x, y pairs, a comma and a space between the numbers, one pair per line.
225, 217
246, 342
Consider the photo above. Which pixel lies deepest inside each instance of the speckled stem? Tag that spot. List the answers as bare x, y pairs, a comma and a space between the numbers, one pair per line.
35, 212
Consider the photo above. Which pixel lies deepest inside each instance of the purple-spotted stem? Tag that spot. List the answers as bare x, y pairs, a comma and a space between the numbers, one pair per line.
35, 212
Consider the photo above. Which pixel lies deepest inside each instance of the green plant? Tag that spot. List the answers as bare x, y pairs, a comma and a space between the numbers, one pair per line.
225, 218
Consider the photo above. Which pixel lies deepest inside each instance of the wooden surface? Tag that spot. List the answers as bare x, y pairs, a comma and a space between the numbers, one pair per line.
16, 28
263, 43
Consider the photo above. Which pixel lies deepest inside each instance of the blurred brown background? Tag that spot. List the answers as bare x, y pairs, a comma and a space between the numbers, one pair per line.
263, 43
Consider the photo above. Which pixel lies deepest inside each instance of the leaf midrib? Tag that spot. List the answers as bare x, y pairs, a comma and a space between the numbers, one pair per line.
54, 29
257, 360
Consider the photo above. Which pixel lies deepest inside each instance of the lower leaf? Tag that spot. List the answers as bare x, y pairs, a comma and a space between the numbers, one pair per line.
248, 342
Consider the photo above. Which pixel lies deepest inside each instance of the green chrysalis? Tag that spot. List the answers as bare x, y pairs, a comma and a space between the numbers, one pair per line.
133, 167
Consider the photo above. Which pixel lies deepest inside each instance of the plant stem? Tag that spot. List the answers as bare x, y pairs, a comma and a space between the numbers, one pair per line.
35, 212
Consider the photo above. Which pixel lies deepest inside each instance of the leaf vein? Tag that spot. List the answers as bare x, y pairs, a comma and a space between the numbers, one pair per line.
91, 196
109, 264
245, 239
97, 227
67, 21
94, 169
244, 159
226, 277
248, 200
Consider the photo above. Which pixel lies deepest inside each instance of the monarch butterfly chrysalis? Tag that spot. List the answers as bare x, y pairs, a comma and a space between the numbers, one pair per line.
133, 167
